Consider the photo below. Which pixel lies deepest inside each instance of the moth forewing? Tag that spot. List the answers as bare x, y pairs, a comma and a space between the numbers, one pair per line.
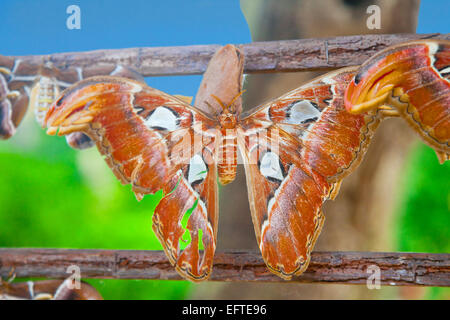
412, 79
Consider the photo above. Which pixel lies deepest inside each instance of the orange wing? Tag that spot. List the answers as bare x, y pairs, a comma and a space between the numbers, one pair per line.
153, 141
296, 150
413, 79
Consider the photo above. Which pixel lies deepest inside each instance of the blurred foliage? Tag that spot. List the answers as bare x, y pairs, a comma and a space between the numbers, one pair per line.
53, 196
423, 220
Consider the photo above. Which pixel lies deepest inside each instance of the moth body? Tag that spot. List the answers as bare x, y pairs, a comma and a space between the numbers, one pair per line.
227, 156
227, 151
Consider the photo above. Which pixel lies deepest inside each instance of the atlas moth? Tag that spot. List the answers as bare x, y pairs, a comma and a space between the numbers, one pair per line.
24, 86
296, 149
47, 290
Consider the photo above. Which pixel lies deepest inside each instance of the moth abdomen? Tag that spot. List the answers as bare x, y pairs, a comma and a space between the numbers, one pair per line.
227, 154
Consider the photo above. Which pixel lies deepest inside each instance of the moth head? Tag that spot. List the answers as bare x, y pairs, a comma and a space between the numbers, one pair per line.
69, 113
228, 117
75, 108
377, 80
368, 94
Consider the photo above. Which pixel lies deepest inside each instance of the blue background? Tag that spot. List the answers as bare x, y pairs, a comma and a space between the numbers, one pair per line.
433, 16
39, 27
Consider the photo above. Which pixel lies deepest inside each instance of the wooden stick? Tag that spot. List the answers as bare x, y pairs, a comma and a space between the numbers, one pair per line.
326, 267
270, 56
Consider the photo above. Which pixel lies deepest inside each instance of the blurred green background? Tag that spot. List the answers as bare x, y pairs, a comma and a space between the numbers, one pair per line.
422, 222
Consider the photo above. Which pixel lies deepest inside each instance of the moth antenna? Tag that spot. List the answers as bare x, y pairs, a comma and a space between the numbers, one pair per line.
235, 98
224, 107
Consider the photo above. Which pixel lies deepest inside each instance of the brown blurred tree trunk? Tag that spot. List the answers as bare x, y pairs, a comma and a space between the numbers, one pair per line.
361, 216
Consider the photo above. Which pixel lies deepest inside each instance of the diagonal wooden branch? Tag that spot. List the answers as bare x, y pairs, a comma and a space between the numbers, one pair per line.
326, 267
271, 56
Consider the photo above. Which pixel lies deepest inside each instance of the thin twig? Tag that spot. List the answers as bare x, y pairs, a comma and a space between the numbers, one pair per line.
326, 267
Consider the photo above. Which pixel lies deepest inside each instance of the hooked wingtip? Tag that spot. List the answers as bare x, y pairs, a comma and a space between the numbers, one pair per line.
47, 116
348, 97
51, 131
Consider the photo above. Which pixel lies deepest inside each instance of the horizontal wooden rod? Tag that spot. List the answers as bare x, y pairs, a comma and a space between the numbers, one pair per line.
396, 268
270, 56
